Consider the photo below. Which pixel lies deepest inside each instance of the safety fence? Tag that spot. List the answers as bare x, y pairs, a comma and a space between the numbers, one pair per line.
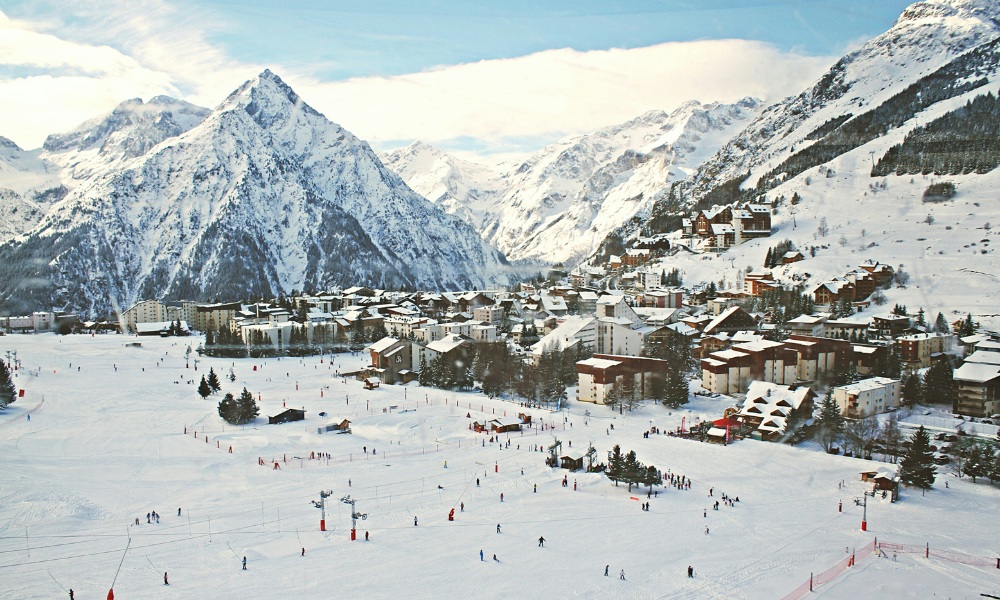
830, 574
883, 549
928, 552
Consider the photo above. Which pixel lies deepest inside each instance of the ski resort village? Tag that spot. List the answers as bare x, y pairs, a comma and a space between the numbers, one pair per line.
740, 345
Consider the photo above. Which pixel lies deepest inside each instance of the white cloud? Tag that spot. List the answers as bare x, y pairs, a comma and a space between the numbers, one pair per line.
492, 108
58, 83
556, 92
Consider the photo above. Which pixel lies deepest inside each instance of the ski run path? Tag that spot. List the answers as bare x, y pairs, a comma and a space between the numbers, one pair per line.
109, 446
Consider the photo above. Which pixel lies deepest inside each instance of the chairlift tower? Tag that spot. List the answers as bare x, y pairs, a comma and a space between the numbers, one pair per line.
321, 505
355, 515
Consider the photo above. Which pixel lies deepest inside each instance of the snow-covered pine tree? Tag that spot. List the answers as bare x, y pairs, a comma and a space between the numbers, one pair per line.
917, 467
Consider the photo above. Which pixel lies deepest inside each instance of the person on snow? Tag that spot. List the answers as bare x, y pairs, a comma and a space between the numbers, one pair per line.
178, 512
366, 536
303, 552
606, 567
165, 582
147, 519
462, 506
501, 496
495, 558
541, 542
622, 575
690, 571
536, 488
244, 563
481, 555
498, 527
414, 521
71, 594
477, 482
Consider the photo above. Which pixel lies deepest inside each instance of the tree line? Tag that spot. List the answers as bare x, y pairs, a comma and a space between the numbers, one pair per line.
963, 141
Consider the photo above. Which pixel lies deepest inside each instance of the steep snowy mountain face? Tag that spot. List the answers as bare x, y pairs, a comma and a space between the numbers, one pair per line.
32, 181
27, 189
262, 196
926, 36
130, 130
892, 156
460, 187
560, 203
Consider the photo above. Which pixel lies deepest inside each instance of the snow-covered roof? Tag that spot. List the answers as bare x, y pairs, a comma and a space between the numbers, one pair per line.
382, 344
728, 354
446, 344
722, 317
977, 372
599, 363
867, 384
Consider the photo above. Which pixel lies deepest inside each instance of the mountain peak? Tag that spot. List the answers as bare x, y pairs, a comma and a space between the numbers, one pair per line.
926, 9
266, 98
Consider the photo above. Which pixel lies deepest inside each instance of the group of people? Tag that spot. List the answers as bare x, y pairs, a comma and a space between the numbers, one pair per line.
681, 482
153, 518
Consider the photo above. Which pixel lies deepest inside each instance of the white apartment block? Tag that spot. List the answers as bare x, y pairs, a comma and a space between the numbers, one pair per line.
868, 397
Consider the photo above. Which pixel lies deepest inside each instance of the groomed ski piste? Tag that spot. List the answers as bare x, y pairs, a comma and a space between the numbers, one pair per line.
109, 446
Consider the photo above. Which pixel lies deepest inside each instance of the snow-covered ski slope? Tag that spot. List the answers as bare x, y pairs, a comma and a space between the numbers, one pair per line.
108, 446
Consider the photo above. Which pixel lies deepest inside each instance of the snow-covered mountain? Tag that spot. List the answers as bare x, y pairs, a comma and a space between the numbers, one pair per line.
561, 202
859, 151
925, 37
261, 196
128, 131
28, 187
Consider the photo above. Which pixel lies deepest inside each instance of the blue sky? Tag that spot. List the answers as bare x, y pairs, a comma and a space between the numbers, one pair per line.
357, 38
485, 79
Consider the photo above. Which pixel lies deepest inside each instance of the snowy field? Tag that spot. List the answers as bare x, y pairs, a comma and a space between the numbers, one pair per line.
108, 446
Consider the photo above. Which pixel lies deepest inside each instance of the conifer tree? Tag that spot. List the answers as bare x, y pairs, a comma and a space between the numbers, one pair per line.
830, 423
917, 467
913, 390
203, 388
616, 465
633, 470
228, 409
978, 462
652, 477
941, 324
7, 391
677, 389
213, 380
246, 408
